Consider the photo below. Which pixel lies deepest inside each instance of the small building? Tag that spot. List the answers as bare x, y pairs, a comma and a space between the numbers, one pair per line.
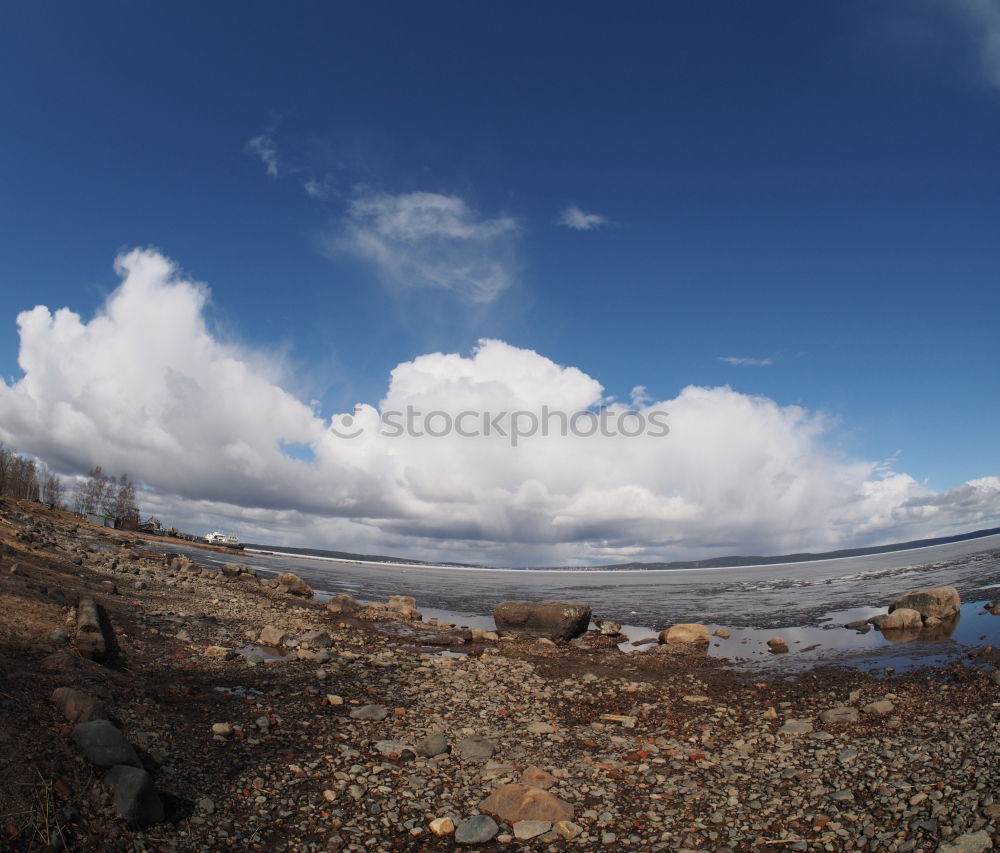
100, 519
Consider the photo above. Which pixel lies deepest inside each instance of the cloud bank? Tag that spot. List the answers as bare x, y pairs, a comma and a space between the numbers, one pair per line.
145, 386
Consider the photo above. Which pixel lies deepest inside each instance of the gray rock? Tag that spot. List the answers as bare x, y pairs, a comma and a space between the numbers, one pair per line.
104, 745
844, 796
369, 712
393, 748
796, 727
476, 748
525, 829
553, 620
434, 744
476, 830
315, 640
971, 842
839, 715
136, 799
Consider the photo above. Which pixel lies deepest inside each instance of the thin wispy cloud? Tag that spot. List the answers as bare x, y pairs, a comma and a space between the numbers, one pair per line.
266, 149
983, 18
320, 188
430, 240
573, 217
738, 361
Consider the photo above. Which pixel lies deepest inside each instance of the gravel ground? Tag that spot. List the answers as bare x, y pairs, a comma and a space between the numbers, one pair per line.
655, 750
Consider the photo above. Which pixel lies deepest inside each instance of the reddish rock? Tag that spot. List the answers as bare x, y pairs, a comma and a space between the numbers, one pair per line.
513, 803
537, 778
77, 706
294, 585
271, 636
689, 633
940, 601
342, 603
901, 618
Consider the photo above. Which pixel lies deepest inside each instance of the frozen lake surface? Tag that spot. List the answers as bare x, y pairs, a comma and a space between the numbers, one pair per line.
806, 602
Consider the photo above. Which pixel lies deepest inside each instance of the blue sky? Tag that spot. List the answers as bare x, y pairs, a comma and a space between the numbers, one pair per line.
810, 186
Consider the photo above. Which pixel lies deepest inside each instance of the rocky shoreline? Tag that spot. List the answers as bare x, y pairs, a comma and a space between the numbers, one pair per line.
243, 715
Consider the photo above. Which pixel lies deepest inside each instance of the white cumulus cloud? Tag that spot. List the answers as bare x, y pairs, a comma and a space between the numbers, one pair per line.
573, 217
145, 387
425, 239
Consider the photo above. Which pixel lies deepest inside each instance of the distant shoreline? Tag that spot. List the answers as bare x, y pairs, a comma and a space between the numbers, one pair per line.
714, 564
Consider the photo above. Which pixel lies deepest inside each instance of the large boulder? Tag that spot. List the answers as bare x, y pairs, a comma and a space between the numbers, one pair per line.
690, 633
294, 585
942, 602
554, 620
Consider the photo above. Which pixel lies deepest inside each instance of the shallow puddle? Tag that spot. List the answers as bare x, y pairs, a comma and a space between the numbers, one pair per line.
808, 645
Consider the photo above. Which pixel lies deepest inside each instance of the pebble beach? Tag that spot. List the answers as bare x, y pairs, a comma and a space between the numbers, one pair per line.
245, 714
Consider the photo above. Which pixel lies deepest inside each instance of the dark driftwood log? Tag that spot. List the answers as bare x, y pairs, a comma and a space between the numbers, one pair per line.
89, 635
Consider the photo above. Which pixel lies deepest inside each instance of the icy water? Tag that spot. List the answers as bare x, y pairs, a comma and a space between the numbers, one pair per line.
806, 603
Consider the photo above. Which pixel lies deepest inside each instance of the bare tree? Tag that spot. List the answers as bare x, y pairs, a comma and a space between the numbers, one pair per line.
21, 478
18, 476
4, 468
52, 490
126, 508
79, 502
96, 493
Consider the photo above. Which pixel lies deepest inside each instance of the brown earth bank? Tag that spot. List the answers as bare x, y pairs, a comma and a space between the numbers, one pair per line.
352, 737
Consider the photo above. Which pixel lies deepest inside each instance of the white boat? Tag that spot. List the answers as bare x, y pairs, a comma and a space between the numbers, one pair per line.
217, 538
